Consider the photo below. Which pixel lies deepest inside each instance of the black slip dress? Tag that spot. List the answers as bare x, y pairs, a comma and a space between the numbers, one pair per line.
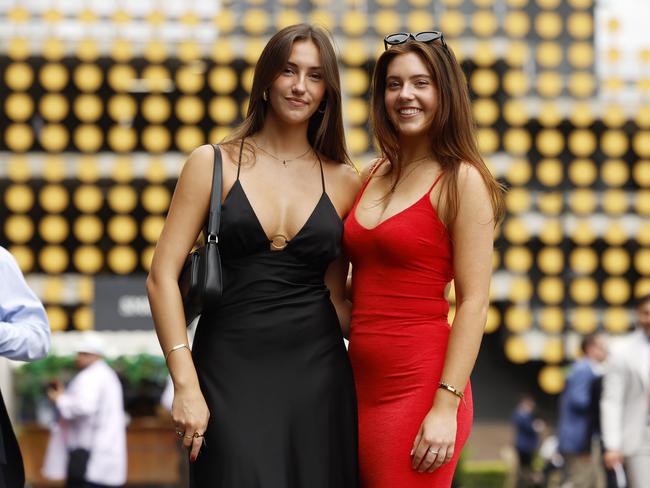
271, 360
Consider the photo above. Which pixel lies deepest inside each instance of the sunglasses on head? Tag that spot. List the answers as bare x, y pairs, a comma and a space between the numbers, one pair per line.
401, 37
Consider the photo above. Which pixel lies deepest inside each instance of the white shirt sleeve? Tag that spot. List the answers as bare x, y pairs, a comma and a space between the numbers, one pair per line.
81, 397
24, 328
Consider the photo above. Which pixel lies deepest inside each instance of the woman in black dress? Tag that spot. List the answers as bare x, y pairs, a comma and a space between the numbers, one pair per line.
269, 387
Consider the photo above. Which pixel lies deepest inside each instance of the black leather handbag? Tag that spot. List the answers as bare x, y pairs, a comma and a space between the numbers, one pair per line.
200, 280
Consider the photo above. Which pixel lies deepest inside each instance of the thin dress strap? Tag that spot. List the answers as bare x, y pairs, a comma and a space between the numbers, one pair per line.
322, 175
376, 166
241, 149
435, 182
373, 170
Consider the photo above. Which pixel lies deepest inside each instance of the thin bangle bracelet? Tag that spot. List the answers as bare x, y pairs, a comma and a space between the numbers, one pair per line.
176, 348
448, 387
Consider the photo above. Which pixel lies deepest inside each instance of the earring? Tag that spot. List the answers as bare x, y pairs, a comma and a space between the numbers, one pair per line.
321, 109
265, 96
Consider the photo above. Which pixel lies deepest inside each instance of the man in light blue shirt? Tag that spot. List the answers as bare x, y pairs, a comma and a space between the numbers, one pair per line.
24, 329
24, 335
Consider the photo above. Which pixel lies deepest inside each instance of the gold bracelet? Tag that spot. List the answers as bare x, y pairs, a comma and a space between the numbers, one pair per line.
448, 387
175, 348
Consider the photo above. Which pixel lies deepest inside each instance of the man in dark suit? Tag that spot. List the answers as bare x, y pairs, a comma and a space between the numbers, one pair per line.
25, 336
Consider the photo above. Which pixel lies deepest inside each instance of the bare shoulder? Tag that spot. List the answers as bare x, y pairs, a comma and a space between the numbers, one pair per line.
199, 161
475, 202
375, 166
230, 151
470, 180
343, 175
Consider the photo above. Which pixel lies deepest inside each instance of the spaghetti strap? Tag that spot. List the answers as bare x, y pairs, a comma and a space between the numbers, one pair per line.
241, 149
435, 182
322, 175
373, 170
376, 166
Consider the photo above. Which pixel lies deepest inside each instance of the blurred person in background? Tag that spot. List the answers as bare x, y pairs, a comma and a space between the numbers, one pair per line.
24, 336
88, 445
578, 423
268, 384
625, 409
426, 216
527, 431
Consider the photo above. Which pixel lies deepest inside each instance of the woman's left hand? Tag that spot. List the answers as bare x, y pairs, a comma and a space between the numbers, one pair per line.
434, 444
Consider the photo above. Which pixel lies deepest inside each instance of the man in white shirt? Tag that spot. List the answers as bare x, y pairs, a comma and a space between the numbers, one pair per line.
92, 423
24, 336
625, 409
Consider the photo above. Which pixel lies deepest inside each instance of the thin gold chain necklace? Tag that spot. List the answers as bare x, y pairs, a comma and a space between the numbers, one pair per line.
284, 161
413, 168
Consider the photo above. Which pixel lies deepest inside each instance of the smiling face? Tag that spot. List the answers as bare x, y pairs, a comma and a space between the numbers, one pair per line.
300, 87
410, 96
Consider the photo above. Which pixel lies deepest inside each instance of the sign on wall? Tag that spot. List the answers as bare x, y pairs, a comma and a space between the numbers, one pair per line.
121, 303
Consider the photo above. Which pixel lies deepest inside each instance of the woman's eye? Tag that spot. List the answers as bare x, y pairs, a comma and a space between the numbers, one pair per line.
421, 83
316, 76
393, 84
288, 71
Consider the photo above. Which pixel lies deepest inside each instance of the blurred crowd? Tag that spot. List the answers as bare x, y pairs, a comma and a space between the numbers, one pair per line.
602, 437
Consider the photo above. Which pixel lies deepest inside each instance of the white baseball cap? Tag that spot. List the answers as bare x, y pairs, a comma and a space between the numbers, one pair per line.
90, 343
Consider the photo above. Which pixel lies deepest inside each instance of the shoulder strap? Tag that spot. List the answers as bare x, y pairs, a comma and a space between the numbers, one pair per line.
214, 217
372, 172
436, 182
241, 150
322, 175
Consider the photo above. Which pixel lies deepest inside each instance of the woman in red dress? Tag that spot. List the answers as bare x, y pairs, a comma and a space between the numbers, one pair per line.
425, 216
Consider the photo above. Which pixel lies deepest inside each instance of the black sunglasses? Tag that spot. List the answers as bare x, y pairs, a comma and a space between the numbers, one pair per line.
402, 37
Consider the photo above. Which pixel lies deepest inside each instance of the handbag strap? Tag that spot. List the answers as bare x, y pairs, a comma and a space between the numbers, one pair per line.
214, 217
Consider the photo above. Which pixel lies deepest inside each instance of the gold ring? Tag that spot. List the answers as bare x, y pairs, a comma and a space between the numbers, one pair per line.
179, 433
188, 436
279, 242
197, 435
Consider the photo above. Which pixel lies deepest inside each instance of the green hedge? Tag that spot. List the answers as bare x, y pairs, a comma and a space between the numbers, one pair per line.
482, 474
143, 377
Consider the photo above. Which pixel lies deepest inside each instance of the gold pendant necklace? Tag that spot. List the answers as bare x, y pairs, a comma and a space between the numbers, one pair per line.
284, 161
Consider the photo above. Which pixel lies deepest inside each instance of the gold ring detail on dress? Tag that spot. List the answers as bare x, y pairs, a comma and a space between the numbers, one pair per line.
279, 242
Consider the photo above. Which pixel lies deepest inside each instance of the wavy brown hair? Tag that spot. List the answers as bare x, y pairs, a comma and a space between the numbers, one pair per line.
325, 131
452, 133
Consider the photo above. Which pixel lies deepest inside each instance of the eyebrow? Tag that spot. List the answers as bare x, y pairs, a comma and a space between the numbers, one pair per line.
294, 65
412, 77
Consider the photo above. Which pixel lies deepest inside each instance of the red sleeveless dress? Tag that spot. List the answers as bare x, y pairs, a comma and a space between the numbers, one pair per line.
398, 340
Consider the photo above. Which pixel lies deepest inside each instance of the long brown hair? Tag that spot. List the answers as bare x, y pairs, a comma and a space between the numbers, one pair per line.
452, 132
325, 131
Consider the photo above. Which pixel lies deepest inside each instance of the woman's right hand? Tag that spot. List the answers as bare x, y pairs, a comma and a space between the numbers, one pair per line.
190, 415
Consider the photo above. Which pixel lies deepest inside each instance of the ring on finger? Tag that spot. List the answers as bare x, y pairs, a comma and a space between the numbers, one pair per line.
196, 435
435, 453
179, 433
188, 436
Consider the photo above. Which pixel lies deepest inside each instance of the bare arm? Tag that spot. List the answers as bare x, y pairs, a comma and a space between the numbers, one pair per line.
472, 241
186, 216
347, 184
